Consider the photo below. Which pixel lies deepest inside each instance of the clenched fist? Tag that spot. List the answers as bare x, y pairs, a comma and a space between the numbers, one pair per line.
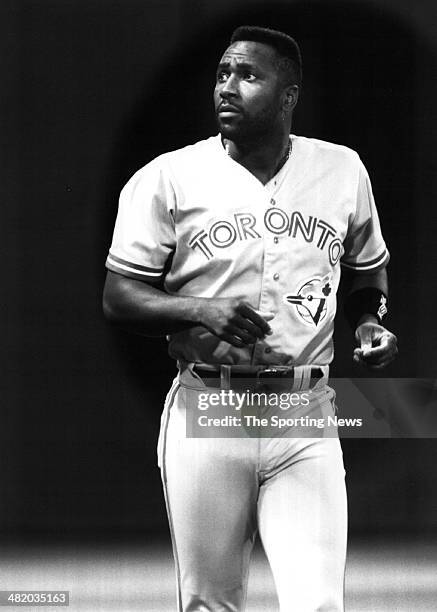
377, 346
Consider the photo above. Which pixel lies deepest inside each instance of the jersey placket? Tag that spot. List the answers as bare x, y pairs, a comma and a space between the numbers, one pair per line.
273, 268
273, 274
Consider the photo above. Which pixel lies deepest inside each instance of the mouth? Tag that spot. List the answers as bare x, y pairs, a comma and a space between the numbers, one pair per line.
227, 110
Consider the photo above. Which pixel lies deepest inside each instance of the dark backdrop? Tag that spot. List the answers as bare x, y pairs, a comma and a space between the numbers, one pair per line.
91, 91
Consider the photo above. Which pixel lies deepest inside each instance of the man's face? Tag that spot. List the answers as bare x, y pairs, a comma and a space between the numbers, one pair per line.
247, 95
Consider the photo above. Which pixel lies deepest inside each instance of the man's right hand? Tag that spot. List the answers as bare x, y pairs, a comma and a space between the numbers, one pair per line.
144, 309
234, 321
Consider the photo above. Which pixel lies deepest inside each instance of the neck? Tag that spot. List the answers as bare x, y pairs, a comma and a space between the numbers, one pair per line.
263, 158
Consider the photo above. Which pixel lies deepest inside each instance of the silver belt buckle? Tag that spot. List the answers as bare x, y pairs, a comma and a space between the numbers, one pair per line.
260, 384
267, 371
281, 371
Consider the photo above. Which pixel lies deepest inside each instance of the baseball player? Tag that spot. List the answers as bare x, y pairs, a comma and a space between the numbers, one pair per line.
233, 247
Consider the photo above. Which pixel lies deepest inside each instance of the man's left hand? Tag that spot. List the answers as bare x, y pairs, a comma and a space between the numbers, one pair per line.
377, 346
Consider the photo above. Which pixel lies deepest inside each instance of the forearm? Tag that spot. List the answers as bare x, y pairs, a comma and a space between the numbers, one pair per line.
365, 297
365, 306
377, 280
138, 307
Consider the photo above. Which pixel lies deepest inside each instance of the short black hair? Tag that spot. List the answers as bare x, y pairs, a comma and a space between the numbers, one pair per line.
286, 47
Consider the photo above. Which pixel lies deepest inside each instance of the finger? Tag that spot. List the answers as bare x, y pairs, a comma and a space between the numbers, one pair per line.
234, 340
252, 315
265, 314
256, 318
358, 359
386, 349
391, 342
364, 336
246, 324
378, 354
375, 353
366, 343
374, 365
245, 336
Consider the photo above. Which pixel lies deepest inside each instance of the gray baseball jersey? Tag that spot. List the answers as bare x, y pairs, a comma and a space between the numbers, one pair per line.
278, 246
203, 225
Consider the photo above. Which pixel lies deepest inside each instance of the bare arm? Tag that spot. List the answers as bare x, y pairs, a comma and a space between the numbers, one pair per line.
145, 309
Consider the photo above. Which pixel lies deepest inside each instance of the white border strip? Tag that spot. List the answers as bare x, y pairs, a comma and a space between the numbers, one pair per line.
128, 269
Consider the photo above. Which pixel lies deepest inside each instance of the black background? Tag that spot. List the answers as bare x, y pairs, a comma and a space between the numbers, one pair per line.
91, 91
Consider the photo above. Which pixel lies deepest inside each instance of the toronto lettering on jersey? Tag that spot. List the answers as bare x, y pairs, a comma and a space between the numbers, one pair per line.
224, 233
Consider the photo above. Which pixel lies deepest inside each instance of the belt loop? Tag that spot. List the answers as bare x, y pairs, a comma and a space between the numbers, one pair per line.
297, 378
306, 378
225, 377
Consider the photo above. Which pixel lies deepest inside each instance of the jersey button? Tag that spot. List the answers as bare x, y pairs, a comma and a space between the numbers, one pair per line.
276, 240
276, 276
268, 350
272, 201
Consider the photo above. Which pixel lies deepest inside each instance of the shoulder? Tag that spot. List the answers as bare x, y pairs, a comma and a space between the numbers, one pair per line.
173, 163
199, 148
327, 152
196, 154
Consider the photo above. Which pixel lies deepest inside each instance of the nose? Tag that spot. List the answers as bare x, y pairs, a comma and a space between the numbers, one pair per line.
229, 88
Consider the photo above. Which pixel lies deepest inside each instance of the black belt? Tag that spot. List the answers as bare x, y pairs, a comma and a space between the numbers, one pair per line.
260, 374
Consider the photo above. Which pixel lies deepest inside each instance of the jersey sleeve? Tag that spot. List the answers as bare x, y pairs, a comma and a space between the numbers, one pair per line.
364, 246
144, 233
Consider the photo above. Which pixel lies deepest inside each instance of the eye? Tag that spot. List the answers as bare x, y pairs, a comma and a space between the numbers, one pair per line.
249, 76
222, 76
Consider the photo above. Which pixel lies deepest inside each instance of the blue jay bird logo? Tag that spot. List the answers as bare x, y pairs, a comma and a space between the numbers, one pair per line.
311, 299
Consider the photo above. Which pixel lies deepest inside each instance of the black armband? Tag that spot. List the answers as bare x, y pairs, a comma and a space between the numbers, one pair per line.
368, 300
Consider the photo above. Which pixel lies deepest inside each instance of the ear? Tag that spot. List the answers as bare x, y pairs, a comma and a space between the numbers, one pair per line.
291, 96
